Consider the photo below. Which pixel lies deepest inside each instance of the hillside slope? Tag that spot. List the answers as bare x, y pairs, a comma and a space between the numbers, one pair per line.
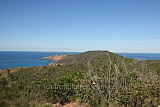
94, 78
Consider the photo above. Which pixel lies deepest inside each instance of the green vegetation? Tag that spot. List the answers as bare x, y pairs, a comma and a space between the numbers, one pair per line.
96, 78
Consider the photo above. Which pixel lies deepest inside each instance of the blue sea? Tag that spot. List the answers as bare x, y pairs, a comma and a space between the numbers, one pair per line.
141, 56
13, 59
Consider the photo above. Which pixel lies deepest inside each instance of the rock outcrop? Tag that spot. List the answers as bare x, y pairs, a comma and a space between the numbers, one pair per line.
55, 57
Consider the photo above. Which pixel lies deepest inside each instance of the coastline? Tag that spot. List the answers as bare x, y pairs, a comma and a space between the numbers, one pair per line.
55, 59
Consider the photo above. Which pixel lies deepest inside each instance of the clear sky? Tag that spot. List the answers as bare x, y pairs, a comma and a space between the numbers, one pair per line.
80, 25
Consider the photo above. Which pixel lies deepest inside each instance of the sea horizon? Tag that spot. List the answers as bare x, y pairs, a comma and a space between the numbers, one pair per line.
14, 59
79, 51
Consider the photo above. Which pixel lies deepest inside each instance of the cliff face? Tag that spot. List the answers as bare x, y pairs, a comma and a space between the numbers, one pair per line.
55, 57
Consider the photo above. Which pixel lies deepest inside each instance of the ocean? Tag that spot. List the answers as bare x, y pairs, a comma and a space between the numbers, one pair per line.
14, 59
141, 56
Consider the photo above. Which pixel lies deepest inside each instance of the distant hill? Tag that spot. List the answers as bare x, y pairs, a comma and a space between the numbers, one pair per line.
83, 57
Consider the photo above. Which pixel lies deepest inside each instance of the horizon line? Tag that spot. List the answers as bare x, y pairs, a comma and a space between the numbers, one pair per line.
71, 51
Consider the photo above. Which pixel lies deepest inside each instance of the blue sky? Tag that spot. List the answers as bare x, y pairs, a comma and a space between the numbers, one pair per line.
80, 25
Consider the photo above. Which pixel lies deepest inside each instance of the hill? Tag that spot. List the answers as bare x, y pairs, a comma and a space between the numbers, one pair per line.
93, 78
